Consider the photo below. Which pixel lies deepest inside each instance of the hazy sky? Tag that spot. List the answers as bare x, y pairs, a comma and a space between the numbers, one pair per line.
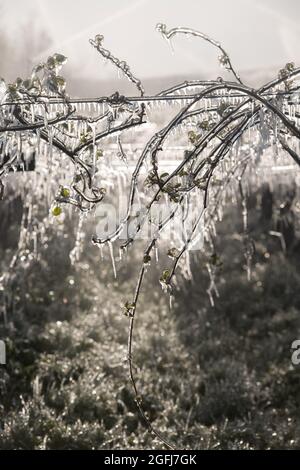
256, 33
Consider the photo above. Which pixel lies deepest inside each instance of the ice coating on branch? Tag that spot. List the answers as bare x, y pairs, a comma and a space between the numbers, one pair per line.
120, 64
224, 58
3, 89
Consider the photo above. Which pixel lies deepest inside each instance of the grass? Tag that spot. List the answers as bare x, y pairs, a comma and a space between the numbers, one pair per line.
217, 378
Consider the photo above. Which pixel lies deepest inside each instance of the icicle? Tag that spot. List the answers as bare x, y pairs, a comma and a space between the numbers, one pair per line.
45, 118
111, 251
94, 129
156, 254
32, 113
212, 287
35, 249
76, 251
245, 214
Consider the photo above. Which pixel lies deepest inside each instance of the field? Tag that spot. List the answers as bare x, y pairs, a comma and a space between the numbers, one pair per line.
216, 378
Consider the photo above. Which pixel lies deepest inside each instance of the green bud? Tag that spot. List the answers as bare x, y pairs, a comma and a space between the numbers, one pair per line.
65, 192
56, 211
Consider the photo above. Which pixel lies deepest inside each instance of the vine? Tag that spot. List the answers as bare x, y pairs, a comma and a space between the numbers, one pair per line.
224, 126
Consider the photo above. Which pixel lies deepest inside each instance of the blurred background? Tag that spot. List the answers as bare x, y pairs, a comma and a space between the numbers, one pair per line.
260, 36
211, 377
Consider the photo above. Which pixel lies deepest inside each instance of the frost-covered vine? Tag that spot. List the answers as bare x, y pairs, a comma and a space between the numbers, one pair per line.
221, 134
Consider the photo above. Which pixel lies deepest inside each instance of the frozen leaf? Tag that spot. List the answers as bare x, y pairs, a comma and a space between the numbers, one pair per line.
51, 63
65, 192
129, 308
99, 39
165, 276
173, 252
56, 211
147, 259
59, 59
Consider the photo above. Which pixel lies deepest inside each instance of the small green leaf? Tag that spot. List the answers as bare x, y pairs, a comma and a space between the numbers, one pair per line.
173, 252
129, 308
193, 137
60, 59
65, 192
56, 211
165, 276
216, 260
224, 60
51, 62
99, 39
147, 259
